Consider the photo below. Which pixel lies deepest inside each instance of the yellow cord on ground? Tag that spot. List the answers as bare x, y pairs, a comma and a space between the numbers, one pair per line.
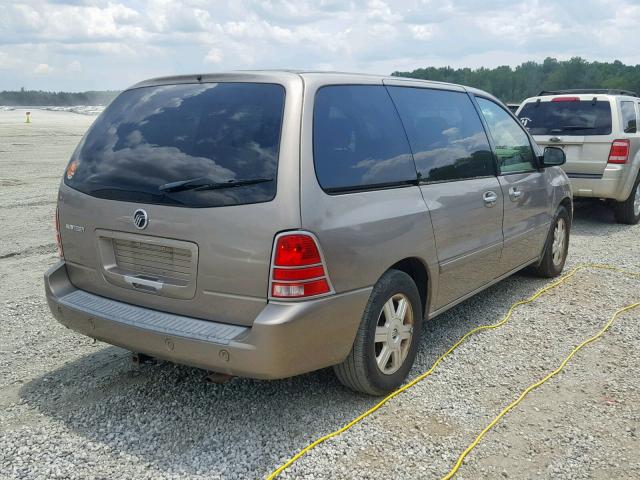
424, 375
533, 386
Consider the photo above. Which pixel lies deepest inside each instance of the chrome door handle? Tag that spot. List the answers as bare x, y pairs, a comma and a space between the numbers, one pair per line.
490, 198
515, 193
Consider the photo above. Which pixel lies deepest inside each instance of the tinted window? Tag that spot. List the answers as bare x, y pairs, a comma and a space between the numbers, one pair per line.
629, 120
151, 136
567, 118
513, 148
445, 133
358, 140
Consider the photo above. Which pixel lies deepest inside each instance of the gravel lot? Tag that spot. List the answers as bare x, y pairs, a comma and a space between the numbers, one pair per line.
72, 408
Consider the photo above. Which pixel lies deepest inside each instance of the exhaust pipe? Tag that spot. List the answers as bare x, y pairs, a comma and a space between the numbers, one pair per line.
139, 359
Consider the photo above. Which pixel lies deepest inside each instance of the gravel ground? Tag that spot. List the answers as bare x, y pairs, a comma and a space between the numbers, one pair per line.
72, 408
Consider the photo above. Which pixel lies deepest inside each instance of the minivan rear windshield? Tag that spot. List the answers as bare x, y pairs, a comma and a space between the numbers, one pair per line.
575, 117
226, 134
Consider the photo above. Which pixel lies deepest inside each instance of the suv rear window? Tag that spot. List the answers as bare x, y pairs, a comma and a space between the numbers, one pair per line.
584, 117
629, 120
212, 133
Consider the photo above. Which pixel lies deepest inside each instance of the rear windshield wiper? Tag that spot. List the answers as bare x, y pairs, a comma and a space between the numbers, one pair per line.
203, 183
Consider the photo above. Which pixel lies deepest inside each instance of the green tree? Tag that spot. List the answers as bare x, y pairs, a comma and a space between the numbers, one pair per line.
529, 78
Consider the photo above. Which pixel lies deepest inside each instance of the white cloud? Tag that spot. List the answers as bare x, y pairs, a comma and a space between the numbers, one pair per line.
111, 44
422, 32
42, 68
74, 67
214, 56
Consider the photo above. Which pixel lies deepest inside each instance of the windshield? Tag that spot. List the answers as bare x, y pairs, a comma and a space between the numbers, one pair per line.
153, 136
584, 117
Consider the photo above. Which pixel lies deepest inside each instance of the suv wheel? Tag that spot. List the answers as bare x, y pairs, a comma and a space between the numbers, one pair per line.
629, 211
387, 339
557, 247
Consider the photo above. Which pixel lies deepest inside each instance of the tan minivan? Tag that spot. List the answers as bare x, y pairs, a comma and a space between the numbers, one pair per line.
267, 224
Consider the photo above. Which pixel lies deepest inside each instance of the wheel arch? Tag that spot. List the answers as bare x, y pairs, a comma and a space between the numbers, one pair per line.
567, 203
419, 273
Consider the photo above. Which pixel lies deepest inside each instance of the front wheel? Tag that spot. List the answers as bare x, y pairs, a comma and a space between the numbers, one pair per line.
629, 211
387, 340
557, 246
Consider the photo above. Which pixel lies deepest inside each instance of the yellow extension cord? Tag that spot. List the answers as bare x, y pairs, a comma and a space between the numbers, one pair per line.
509, 407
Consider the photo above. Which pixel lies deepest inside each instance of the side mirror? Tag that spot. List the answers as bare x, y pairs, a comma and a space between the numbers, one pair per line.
553, 157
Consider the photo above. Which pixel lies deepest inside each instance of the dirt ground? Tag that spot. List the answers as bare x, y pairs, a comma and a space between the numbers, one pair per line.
74, 408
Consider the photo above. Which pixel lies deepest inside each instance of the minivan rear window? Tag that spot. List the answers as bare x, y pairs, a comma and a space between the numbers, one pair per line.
358, 140
222, 139
445, 134
572, 117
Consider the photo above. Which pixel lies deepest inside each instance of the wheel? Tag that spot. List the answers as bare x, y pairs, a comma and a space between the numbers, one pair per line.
387, 340
557, 246
629, 211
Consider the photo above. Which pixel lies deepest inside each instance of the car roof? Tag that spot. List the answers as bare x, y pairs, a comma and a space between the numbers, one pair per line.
287, 75
598, 94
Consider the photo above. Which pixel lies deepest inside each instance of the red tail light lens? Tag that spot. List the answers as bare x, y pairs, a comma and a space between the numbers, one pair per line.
566, 99
58, 237
619, 152
298, 273
296, 250
298, 269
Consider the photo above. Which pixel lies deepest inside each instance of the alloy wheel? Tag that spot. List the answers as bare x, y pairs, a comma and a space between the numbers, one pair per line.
394, 332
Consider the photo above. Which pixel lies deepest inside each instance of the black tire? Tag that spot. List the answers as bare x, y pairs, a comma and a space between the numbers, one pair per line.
360, 370
547, 267
626, 212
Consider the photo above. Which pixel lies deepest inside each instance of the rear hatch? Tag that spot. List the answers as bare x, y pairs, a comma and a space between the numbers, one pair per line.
174, 196
580, 125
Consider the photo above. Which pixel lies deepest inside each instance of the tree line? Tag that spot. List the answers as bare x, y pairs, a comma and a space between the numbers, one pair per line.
507, 83
529, 78
40, 98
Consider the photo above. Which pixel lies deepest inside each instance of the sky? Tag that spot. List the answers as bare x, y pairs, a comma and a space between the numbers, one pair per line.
77, 45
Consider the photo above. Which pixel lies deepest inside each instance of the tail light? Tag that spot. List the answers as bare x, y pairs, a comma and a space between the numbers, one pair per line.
58, 238
298, 269
619, 152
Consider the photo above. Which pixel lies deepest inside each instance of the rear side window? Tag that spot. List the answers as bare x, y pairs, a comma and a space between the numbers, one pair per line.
572, 117
445, 133
212, 133
358, 140
629, 119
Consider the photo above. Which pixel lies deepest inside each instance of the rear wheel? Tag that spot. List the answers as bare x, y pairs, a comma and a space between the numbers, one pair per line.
557, 247
629, 211
387, 339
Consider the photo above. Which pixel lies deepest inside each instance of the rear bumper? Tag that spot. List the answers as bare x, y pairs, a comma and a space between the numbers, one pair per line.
286, 339
611, 184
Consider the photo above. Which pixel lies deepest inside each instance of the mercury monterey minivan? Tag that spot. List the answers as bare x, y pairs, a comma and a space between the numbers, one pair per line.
267, 224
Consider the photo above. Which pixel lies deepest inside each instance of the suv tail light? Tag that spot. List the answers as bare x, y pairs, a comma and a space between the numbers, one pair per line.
58, 238
619, 152
298, 269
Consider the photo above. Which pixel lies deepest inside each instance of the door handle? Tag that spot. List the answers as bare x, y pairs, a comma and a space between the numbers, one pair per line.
490, 198
143, 283
515, 193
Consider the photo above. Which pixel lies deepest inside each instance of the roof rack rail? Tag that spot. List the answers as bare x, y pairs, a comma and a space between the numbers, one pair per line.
604, 91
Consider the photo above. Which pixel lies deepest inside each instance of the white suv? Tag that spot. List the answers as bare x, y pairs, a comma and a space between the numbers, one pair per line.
598, 131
